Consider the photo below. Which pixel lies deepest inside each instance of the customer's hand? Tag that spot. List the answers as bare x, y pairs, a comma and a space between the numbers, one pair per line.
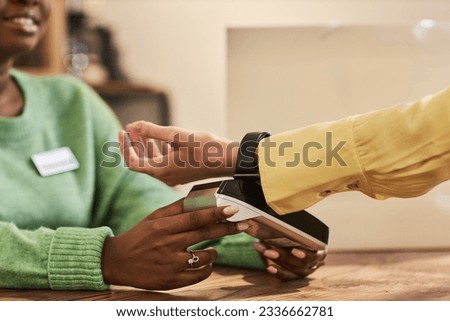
153, 255
176, 155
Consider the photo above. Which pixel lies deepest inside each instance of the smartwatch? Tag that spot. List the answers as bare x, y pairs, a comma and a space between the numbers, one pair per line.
247, 159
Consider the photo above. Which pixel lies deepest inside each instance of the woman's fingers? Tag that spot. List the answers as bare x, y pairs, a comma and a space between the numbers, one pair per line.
185, 259
196, 226
213, 231
285, 263
198, 258
212, 214
205, 224
282, 273
146, 151
172, 209
188, 277
128, 152
148, 130
195, 266
196, 219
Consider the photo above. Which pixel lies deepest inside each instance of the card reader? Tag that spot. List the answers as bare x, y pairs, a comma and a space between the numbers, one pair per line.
298, 229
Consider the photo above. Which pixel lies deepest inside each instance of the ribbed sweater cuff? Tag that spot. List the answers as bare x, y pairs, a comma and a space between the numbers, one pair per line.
74, 261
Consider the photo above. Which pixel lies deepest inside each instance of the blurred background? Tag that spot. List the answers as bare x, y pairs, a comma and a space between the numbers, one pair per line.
234, 66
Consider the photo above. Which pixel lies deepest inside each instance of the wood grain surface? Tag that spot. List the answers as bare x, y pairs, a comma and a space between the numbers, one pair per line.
364, 276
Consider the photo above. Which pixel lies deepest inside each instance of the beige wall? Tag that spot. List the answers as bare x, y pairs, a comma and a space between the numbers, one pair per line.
284, 78
181, 45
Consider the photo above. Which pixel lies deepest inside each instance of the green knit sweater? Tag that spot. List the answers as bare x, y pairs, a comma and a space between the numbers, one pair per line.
52, 228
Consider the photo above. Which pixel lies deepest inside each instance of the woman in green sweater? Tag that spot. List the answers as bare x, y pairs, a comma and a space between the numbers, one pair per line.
61, 202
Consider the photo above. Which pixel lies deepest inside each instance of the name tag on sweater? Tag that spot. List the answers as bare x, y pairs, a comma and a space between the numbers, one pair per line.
55, 161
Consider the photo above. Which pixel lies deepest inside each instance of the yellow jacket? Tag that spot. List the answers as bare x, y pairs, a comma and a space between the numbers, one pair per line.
402, 151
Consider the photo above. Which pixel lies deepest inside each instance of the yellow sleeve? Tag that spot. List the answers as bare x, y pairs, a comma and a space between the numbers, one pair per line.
402, 151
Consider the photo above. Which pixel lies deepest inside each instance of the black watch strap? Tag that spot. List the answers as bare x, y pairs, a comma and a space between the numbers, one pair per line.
247, 159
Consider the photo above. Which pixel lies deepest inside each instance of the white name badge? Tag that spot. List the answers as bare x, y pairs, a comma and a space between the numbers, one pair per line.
55, 161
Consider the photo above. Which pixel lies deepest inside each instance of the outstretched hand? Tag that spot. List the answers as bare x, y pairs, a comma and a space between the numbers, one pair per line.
175, 155
153, 255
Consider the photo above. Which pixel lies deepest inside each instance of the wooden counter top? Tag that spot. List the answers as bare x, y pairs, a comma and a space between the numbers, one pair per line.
381, 276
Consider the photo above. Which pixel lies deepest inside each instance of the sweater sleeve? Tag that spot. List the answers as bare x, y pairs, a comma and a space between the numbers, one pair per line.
65, 258
402, 151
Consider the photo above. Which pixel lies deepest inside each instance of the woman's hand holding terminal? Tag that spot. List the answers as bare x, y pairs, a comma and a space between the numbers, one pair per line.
153, 255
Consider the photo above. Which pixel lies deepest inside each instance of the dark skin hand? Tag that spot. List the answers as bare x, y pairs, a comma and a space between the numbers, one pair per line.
286, 263
290, 263
153, 255
142, 154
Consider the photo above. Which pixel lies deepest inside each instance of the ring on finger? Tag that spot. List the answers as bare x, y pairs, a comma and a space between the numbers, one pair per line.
193, 259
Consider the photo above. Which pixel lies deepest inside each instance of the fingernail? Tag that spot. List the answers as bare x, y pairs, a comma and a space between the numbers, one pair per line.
298, 253
271, 254
259, 247
272, 270
242, 226
126, 139
230, 210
